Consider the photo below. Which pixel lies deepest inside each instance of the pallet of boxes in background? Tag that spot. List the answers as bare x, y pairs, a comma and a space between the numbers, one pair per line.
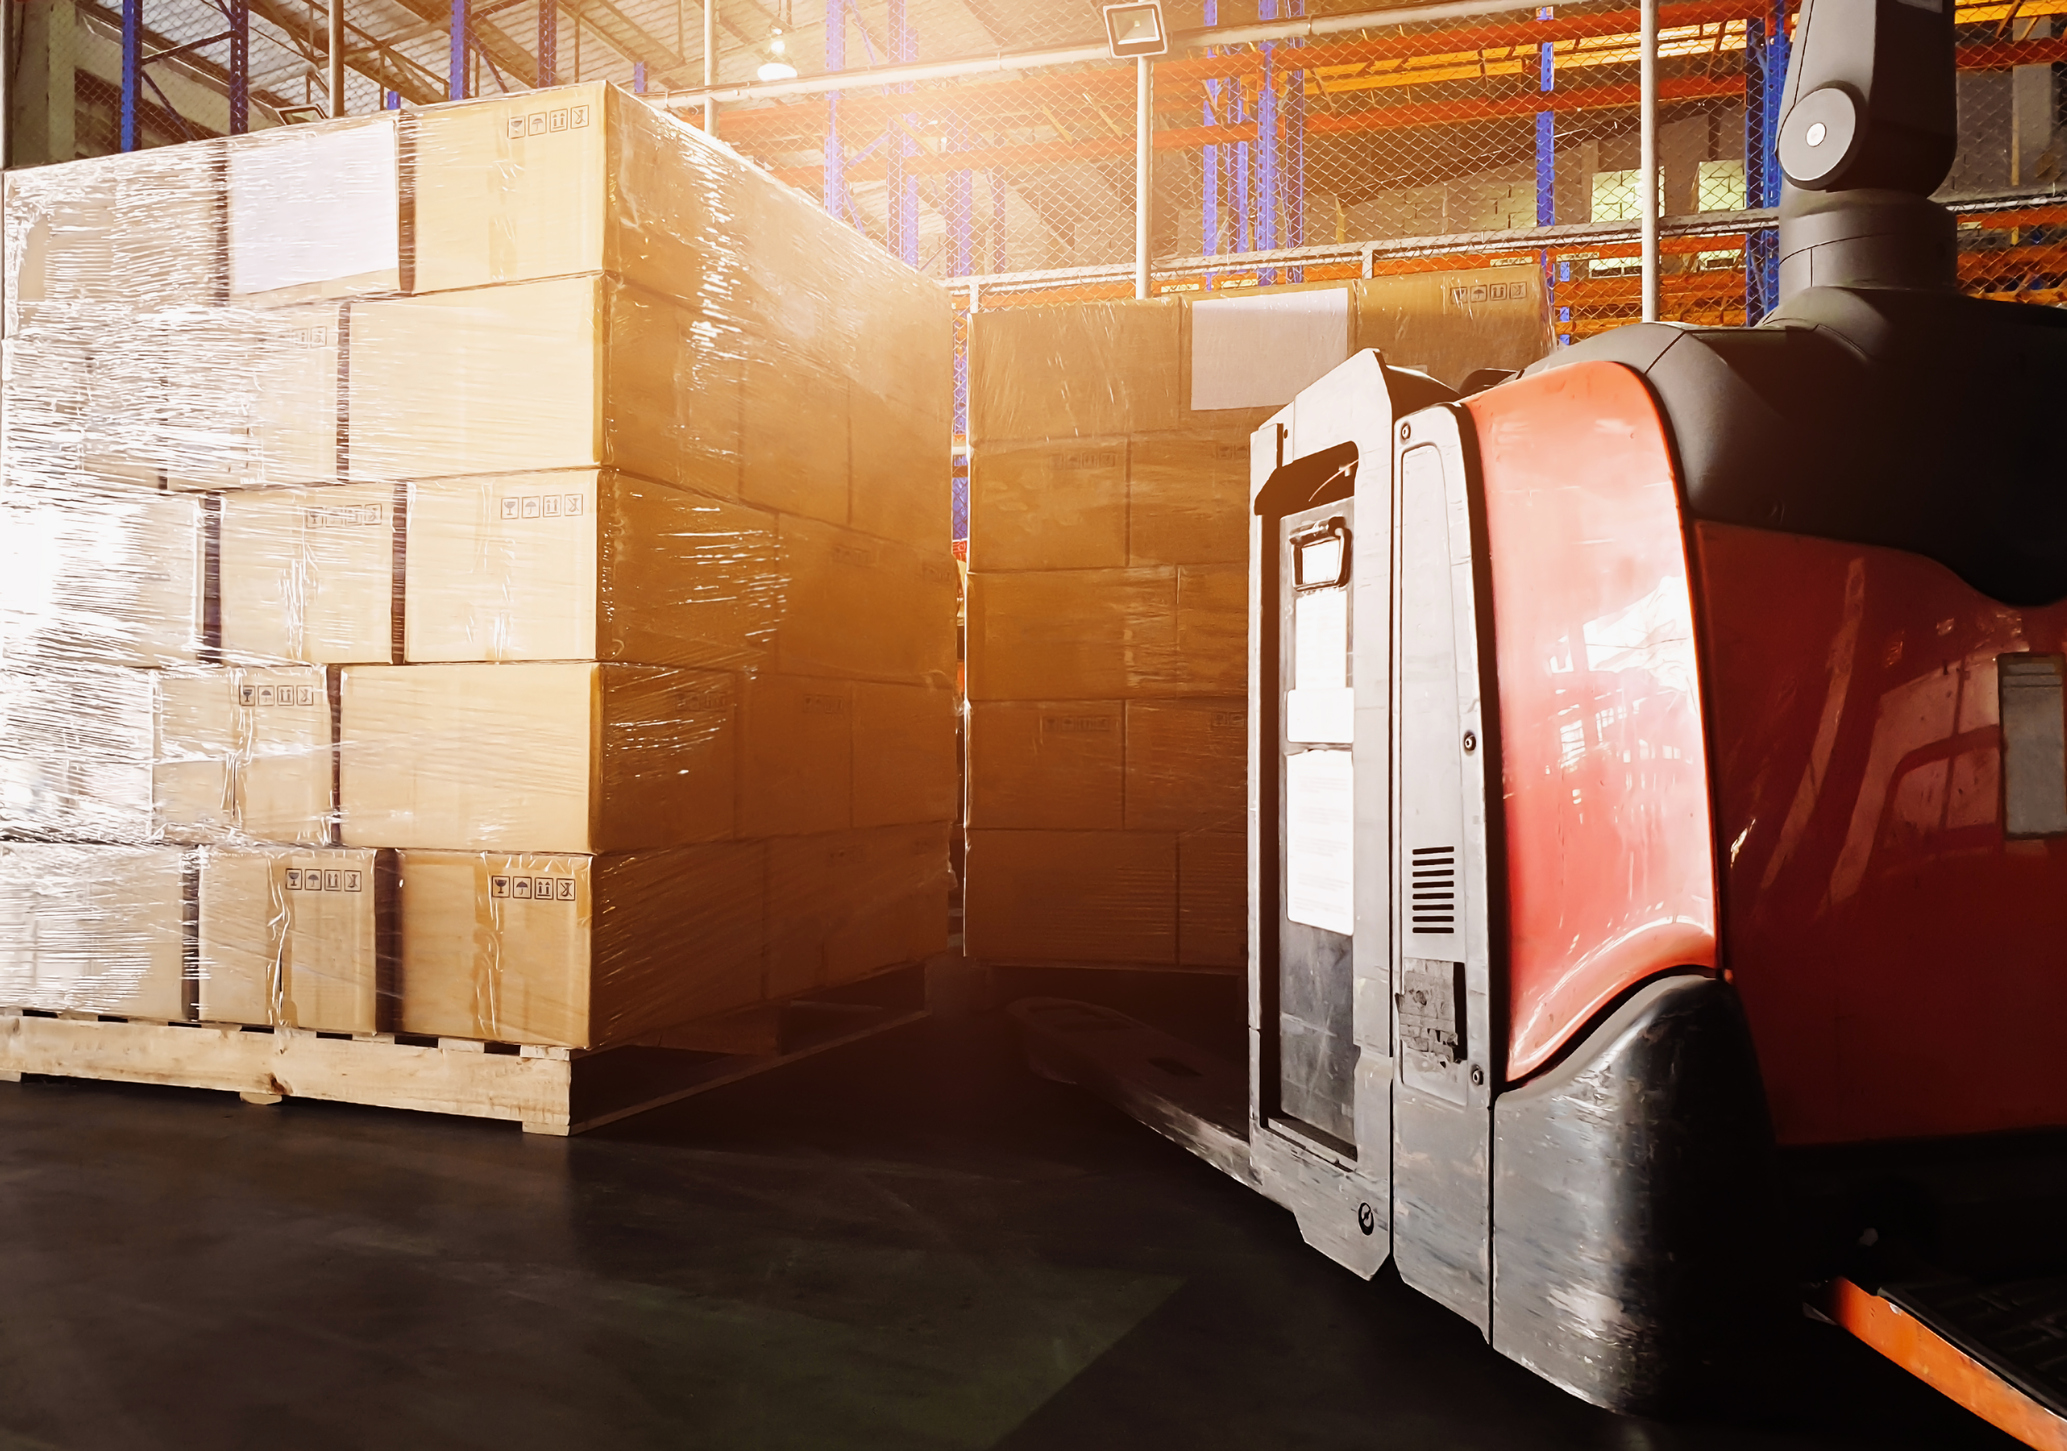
478, 631
1109, 480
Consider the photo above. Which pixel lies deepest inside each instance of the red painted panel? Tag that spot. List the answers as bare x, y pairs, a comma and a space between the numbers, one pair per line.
1610, 854
1903, 964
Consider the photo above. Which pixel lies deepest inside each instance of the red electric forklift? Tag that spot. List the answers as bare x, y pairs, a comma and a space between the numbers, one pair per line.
1658, 812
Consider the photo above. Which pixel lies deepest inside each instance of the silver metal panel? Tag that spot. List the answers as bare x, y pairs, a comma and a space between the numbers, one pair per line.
2034, 745
1442, 1026
1336, 1182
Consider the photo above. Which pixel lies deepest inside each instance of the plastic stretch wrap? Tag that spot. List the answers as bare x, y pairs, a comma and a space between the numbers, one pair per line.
1109, 480
479, 572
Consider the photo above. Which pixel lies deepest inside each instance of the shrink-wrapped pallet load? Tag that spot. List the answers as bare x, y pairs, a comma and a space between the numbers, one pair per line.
522, 512
1109, 475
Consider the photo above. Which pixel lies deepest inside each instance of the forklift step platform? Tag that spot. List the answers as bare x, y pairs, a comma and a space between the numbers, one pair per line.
2000, 1350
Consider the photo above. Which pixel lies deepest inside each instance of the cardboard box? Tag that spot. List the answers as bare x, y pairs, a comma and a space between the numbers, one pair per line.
1084, 634
198, 754
588, 565
901, 456
310, 574
102, 574
794, 434
847, 904
295, 938
564, 757
1187, 765
796, 755
863, 608
1081, 370
905, 769
575, 372
1072, 896
1188, 499
578, 951
1049, 506
135, 231
1055, 766
270, 383
78, 744
245, 753
588, 178
1213, 899
1108, 633
315, 211
1212, 645
94, 929
820, 755
198, 399
1450, 324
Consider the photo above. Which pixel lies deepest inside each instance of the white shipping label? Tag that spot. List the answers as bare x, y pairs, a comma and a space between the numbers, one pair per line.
1320, 840
313, 204
1321, 717
1260, 352
1320, 639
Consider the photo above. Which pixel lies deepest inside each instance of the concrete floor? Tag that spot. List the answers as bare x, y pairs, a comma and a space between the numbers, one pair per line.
911, 1244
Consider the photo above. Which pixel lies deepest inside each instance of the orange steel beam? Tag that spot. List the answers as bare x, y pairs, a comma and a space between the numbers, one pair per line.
1375, 118
1945, 1367
1114, 85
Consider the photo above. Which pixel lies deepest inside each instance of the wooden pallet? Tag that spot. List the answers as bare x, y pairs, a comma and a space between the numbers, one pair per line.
548, 1090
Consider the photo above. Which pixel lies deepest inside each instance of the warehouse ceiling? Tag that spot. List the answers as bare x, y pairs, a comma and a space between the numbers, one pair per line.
404, 45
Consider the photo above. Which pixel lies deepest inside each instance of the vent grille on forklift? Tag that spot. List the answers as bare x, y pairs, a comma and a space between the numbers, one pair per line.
1435, 889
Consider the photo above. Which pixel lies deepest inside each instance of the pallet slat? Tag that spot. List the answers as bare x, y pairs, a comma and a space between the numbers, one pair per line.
554, 1091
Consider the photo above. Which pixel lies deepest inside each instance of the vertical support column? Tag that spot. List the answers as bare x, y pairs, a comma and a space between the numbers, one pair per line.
835, 148
548, 43
336, 77
1245, 211
2034, 106
1647, 144
1292, 159
43, 93
1209, 169
1268, 144
132, 70
240, 67
456, 81
901, 196
710, 65
1144, 168
997, 222
961, 207
1546, 133
6, 104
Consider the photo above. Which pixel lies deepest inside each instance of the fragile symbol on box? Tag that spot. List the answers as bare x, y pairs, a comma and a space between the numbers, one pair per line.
536, 506
342, 518
498, 886
1490, 292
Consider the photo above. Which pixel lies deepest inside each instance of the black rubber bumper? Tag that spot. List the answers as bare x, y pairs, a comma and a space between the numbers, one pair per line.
1633, 1254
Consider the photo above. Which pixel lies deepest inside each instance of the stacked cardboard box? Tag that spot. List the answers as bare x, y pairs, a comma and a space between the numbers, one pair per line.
1109, 480
589, 485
